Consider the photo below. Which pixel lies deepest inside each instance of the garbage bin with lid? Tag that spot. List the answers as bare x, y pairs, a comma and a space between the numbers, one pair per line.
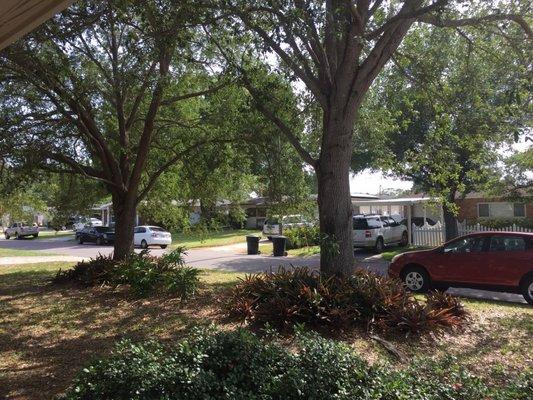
280, 244
252, 244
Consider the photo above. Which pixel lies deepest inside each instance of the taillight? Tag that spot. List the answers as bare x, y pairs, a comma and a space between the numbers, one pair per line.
154, 234
368, 234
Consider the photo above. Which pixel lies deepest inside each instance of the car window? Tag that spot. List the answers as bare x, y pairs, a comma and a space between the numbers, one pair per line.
373, 223
359, 223
141, 230
157, 229
103, 229
465, 245
392, 222
385, 221
507, 243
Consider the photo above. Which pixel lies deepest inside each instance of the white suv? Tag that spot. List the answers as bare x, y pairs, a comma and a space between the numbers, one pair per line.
377, 231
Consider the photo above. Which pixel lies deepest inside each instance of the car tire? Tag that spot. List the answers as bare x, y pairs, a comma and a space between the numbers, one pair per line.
79, 240
36, 235
16, 235
526, 287
405, 239
163, 246
416, 279
99, 241
7, 236
269, 237
379, 246
144, 244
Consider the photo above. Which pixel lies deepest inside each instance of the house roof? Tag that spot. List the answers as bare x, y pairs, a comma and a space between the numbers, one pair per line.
402, 201
18, 18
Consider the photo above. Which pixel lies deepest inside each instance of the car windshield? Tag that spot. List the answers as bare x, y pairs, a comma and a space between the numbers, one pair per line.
272, 221
156, 229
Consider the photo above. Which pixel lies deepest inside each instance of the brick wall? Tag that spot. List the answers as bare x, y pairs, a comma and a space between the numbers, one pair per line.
468, 208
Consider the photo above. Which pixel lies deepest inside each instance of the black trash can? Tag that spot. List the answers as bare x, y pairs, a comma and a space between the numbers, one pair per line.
280, 244
252, 244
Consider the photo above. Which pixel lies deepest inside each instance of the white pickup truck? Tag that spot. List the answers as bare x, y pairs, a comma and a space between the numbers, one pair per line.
19, 230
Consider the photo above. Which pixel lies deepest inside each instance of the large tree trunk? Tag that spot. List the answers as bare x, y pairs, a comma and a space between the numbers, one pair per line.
450, 223
124, 207
334, 201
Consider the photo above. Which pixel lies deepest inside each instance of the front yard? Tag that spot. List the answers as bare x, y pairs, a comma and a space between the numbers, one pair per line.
196, 239
48, 332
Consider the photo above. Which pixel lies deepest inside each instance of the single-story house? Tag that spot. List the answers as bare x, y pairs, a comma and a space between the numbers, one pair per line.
475, 206
256, 208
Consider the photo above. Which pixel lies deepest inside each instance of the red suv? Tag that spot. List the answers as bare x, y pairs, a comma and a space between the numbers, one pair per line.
500, 261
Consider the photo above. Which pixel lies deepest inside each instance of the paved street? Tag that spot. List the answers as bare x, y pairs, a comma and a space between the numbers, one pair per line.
230, 258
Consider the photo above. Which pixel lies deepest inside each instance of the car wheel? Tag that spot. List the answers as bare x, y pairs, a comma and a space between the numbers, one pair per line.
163, 246
269, 237
16, 236
144, 244
416, 279
99, 241
36, 235
7, 236
379, 246
79, 240
405, 239
527, 289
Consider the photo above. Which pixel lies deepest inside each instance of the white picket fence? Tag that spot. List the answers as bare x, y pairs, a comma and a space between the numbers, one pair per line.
428, 235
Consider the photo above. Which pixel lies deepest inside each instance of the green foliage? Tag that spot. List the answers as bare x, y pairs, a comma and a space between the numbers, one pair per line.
238, 365
498, 223
288, 297
302, 236
143, 273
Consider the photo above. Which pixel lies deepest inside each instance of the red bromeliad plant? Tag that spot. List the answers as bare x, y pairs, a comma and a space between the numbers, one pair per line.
298, 295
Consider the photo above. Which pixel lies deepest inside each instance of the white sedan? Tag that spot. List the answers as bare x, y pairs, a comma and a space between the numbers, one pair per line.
146, 235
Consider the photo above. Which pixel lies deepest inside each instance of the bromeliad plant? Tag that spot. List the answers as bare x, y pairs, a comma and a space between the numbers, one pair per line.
295, 296
143, 273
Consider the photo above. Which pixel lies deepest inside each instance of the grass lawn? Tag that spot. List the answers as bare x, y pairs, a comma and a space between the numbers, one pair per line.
48, 332
267, 248
388, 255
53, 234
193, 239
21, 253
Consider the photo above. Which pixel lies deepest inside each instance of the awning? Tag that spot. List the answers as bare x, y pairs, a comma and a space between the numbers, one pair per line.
405, 201
19, 17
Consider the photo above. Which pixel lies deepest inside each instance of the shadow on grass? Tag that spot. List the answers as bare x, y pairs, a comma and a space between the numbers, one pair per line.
48, 331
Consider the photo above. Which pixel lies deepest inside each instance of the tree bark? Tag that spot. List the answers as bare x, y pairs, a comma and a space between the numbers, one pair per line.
334, 200
124, 207
450, 223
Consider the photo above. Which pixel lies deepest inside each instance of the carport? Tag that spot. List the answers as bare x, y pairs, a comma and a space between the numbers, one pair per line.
407, 203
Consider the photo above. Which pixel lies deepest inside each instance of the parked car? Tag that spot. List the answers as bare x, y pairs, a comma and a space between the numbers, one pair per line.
500, 261
378, 231
20, 230
272, 226
146, 235
419, 221
96, 234
84, 222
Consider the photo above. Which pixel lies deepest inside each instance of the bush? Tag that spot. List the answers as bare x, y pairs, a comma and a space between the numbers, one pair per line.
302, 236
143, 273
499, 223
289, 297
238, 365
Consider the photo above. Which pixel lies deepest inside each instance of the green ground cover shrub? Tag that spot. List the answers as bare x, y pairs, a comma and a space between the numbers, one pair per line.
238, 365
303, 236
143, 273
294, 296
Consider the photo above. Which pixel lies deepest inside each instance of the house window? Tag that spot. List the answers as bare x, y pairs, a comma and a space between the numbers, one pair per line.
501, 210
483, 210
519, 210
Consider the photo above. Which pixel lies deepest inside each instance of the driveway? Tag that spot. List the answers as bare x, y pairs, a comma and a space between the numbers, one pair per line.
229, 257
